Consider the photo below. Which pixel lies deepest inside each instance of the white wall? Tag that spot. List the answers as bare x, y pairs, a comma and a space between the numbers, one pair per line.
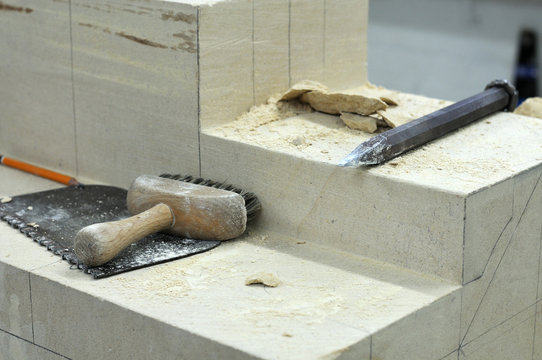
447, 49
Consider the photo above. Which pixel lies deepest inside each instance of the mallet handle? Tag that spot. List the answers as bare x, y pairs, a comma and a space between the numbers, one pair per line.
98, 243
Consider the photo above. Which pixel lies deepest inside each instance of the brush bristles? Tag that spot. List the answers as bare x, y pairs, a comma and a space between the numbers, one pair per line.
252, 204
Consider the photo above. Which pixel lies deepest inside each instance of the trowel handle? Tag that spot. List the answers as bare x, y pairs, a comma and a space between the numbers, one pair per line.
98, 243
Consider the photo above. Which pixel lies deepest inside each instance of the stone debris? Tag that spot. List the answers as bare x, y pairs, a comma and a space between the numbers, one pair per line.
363, 101
360, 122
5, 200
263, 278
335, 103
301, 88
388, 108
531, 107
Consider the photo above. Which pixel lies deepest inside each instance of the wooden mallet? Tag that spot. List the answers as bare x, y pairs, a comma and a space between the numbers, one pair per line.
163, 204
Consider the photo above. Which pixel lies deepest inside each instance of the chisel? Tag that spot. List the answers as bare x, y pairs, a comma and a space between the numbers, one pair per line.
498, 95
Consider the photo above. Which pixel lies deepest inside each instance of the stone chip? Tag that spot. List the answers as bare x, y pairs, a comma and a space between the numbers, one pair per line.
301, 88
360, 122
335, 103
531, 107
263, 278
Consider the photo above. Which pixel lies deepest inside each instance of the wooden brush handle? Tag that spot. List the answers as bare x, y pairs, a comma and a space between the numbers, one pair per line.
98, 243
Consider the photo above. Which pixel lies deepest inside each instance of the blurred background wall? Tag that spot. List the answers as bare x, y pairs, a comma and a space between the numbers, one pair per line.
447, 49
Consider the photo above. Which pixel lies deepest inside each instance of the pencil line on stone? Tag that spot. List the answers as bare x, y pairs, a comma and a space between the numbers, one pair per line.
537, 291
492, 251
289, 43
75, 142
253, 59
464, 241
502, 257
502, 323
33, 344
31, 308
324, 42
198, 81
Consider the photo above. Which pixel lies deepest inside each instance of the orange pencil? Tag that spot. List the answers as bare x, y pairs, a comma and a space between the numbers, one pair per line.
36, 170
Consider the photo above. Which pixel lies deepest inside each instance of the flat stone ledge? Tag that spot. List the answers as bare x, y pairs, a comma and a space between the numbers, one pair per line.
200, 306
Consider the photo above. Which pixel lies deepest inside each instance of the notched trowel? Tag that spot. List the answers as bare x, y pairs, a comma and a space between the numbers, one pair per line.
53, 218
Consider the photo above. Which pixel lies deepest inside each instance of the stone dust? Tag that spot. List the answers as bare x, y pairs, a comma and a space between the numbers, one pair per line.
286, 123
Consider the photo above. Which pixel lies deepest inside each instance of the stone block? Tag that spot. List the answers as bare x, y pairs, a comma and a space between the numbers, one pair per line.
512, 339
345, 52
173, 309
152, 87
81, 326
36, 87
270, 45
116, 88
339, 208
135, 87
271, 48
441, 209
358, 351
509, 281
307, 40
226, 60
429, 333
15, 307
17, 258
14, 348
487, 214
452, 356
537, 335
